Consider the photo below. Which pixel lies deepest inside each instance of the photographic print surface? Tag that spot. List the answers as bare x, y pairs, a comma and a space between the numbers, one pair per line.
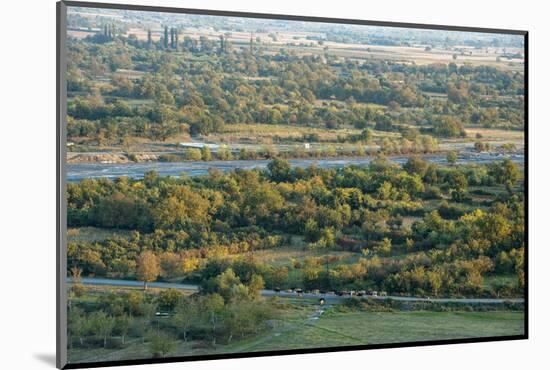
247, 185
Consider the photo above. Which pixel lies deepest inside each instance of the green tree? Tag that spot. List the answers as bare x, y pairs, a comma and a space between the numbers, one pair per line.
384, 247
193, 154
77, 325
366, 135
168, 299
458, 184
161, 345
206, 154
452, 157
186, 314
435, 280
311, 230
227, 284
122, 325
224, 154
448, 126
255, 285
505, 172
279, 170
212, 310
184, 210
165, 37
102, 325
481, 146
416, 165
429, 144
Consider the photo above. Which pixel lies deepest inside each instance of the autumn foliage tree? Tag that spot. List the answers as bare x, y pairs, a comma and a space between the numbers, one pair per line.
148, 268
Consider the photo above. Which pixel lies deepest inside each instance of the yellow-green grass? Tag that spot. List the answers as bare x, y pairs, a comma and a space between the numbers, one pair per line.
284, 255
358, 328
490, 134
94, 234
239, 131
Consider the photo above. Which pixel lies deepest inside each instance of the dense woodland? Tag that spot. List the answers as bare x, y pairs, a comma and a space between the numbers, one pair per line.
200, 227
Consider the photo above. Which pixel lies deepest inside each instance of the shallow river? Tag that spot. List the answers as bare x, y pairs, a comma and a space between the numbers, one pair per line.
77, 172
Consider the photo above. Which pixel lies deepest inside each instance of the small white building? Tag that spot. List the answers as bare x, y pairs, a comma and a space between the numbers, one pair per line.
306, 146
198, 145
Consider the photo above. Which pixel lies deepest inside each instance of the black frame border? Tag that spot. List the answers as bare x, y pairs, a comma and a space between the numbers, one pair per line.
61, 337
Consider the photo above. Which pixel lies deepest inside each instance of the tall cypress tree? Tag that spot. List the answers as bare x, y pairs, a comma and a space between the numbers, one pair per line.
171, 38
165, 37
149, 39
251, 43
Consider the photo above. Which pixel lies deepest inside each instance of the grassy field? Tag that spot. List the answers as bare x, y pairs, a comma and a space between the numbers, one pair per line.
265, 133
381, 327
94, 234
299, 252
496, 135
299, 327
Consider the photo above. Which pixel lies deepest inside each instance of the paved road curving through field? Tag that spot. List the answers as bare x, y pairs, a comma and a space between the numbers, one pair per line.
286, 294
